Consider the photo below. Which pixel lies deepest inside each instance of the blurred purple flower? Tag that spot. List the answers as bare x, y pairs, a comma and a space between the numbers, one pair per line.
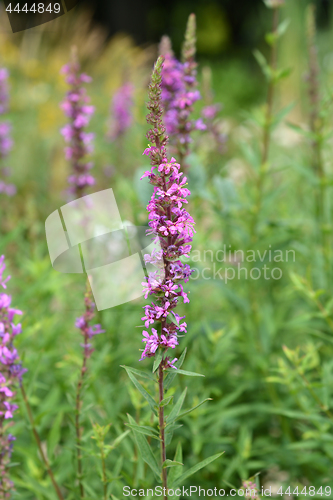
76, 108
83, 324
11, 372
209, 114
4, 90
121, 111
6, 142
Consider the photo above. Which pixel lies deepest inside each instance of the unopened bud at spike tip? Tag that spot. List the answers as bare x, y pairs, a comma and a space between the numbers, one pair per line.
165, 46
274, 4
189, 46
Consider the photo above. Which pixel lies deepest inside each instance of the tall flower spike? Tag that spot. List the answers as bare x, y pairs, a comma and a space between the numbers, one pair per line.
121, 111
189, 45
6, 142
179, 93
76, 107
11, 372
171, 225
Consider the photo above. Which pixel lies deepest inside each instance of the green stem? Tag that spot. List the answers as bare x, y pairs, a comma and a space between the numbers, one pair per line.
77, 420
39, 445
105, 482
266, 139
316, 127
162, 427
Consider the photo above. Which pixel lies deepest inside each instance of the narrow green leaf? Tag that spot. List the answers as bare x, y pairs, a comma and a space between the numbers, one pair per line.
169, 378
300, 130
282, 73
158, 360
282, 28
169, 430
184, 372
173, 319
119, 439
145, 449
176, 409
170, 463
145, 429
263, 64
165, 401
282, 114
142, 390
139, 373
195, 469
54, 435
175, 472
186, 412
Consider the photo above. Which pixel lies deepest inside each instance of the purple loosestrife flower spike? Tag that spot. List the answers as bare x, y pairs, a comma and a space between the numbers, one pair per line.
172, 225
11, 372
4, 91
76, 107
83, 324
121, 111
189, 46
179, 92
6, 142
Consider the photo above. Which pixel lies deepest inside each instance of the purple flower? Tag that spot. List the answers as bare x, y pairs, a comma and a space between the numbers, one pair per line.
172, 225
4, 90
250, 489
76, 108
121, 111
6, 142
11, 372
210, 112
171, 363
179, 93
83, 324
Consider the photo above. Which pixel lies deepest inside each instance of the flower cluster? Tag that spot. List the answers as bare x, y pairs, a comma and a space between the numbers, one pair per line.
209, 114
121, 111
11, 372
83, 323
170, 225
4, 91
6, 142
76, 107
179, 91
251, 490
